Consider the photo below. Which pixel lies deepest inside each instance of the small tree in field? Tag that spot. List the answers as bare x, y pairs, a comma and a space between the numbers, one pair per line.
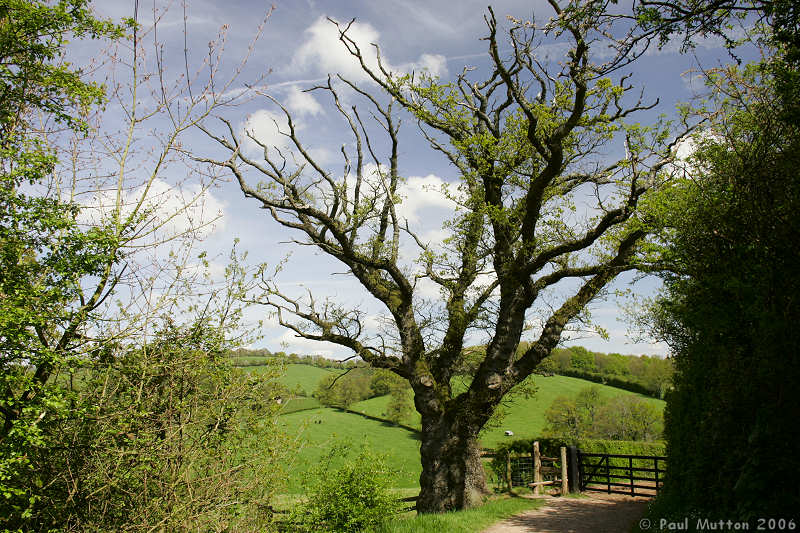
399, 406
528, 140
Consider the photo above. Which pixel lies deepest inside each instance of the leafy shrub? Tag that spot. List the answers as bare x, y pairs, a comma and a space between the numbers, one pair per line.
400, 406
354, 497
383, 382
587, 415
344, 390
163, 436
628, 418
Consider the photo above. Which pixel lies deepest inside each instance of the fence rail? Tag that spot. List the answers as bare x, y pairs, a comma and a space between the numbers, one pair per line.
575, 470
614, 472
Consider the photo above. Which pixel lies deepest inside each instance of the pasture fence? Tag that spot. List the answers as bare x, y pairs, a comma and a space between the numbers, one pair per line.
577, 471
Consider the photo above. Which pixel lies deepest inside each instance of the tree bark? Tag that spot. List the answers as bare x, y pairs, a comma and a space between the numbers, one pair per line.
452, 474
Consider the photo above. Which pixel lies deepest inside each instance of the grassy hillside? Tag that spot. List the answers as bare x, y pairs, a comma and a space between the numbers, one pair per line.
317, 429
523, 416
304, 376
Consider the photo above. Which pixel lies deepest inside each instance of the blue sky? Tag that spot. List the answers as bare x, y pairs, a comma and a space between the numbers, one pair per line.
296, 50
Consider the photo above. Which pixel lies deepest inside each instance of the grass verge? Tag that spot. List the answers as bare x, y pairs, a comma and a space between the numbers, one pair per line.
467, 521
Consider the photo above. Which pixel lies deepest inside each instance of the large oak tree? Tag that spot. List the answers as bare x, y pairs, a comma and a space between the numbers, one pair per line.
530, 140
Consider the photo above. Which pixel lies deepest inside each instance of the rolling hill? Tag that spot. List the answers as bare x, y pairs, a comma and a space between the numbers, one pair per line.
317, 428
523, 416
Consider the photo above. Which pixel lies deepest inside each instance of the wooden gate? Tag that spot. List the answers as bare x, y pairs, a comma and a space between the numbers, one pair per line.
634, 475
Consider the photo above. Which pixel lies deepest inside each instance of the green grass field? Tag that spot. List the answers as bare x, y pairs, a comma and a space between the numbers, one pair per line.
315, 429
523, 416
305, 377
463, 521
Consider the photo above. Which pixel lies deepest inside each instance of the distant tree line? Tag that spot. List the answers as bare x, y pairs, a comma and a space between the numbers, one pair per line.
259, 356
643, 374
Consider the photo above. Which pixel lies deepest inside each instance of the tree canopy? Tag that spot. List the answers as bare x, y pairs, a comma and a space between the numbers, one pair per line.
527, 139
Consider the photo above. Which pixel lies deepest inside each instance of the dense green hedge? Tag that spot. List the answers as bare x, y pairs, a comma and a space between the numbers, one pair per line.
550, 446
623, 447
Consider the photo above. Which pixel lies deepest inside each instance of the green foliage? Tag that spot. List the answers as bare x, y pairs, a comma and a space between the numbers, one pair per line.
385, 382
44, 254
346, 389
352, 498
33, 34
590, 415
550, 446
611, 364
564, 418
582, 359
160, 436
628, 418
342, 391
399, 406
642, 374
730, 311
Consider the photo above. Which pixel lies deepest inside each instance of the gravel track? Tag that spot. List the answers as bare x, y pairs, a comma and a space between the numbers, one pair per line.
599, 513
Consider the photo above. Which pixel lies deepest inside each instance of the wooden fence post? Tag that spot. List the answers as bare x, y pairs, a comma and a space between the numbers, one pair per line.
537, 468
508, 470
655, 467
574, 472
630, 472
564, 477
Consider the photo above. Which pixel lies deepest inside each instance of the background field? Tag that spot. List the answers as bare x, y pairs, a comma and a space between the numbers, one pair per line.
524, 416
304, 377
317, 428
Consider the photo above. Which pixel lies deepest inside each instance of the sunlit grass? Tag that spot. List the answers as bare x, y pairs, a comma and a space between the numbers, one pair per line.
523, 416
468, 521
317, 429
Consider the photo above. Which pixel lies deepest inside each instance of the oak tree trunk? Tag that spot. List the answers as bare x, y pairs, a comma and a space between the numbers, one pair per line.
452, 474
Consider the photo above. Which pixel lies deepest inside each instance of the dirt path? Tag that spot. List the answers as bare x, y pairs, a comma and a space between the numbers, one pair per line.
599, 513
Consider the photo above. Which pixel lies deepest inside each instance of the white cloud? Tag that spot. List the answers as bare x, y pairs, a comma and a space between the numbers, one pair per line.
322, 52
435, 64
171, 210
302, 103
422, 192
322, 49
290, 342
322, 156
266, 126
685, 163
